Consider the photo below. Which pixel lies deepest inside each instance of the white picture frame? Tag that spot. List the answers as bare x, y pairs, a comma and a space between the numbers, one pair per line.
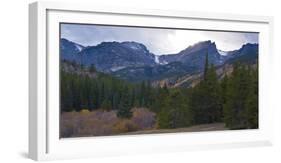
44, 141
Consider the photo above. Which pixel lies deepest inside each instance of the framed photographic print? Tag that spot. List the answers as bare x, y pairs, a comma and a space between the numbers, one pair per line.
108, 81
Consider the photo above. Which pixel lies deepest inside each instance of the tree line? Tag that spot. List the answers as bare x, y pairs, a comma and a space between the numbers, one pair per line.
232, 100
80, 91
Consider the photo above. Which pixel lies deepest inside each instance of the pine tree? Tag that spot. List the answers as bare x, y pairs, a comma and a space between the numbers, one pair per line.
205, 103
159, 99
142, 94
163, 118
124, 110
148, 95
213, 93
106, 105
224, 84
174, 111
252, 101
206, 67
66, 93
241, 102
133, 97
92, 68
180, 115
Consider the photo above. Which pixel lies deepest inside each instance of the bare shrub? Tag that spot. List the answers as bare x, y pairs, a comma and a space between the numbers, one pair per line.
144, 118
102, 123
84, 111
125, 125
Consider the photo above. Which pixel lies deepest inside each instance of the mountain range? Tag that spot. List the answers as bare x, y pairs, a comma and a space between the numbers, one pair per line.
132, 61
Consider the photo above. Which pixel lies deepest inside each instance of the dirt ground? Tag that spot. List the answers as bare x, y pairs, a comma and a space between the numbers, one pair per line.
195, 128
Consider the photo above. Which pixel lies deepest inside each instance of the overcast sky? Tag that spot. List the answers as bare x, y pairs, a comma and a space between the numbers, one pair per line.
158, 41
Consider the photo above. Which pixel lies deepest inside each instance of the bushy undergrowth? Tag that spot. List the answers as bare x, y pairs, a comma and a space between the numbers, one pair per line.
103, 123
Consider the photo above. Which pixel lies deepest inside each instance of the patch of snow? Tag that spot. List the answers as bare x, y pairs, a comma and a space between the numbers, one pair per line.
113, 69
78, 47
223, 53
134, 47
156, 58
132, 70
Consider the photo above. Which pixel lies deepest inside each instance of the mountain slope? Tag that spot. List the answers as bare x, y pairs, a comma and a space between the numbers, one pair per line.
157, 72
69, 50
195, 55
132, 61
188, 62
110, 56
248, 53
